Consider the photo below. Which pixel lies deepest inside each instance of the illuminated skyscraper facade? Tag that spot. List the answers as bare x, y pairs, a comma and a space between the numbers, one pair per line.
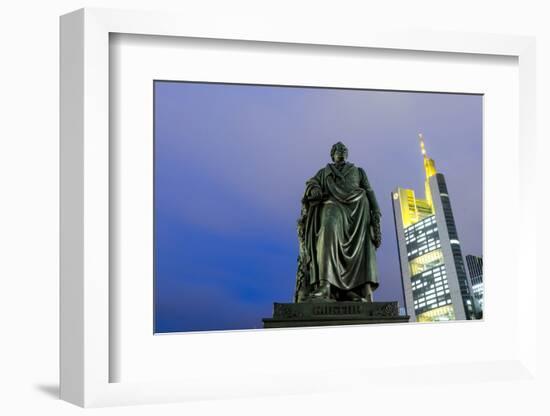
435, 282
475, 270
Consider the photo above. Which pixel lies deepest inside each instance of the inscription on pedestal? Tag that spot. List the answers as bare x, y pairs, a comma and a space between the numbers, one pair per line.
333, 313
354, 309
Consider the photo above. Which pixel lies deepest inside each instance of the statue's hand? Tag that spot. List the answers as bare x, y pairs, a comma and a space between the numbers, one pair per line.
376, 232
377, 238
315, 194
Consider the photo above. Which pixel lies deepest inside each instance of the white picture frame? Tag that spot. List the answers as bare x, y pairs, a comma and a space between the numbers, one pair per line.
87, 299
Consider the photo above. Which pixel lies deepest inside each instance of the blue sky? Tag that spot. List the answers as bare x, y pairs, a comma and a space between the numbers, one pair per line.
231, 162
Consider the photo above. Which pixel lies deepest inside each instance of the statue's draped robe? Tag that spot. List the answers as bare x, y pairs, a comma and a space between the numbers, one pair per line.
336, 233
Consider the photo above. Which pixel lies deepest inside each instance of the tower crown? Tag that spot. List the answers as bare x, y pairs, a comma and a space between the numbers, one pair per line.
429, 168
429, 164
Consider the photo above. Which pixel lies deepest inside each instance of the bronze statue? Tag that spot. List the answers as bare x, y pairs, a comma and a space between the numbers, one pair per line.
339, 232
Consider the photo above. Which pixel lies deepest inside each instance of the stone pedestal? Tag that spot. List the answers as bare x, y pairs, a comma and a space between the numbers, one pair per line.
319, 313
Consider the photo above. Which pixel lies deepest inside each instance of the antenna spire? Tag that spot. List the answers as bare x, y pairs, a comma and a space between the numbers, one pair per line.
422, 146
429, 164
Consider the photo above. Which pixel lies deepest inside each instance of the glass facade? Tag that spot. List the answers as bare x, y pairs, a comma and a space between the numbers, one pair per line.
444, 313
427, 270
478, 293
430, 251
475, 268
455, 247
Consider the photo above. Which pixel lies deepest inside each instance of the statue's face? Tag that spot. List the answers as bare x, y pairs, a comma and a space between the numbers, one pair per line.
340, 154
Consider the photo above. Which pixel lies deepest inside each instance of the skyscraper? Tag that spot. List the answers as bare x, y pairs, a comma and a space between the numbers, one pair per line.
475, 270
434, 277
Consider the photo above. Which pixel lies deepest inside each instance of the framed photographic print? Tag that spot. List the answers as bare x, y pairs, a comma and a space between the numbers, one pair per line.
232, 201
225, 213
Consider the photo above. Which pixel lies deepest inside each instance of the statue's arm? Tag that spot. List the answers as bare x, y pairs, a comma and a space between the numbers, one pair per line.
314, 187
375, 209
370, 193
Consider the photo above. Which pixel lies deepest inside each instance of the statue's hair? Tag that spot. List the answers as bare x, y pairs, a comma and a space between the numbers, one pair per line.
336, 146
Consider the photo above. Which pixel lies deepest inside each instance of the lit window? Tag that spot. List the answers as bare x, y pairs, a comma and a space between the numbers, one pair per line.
444, 313
426, 261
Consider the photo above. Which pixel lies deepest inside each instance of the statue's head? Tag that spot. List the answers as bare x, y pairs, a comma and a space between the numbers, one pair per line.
339, 152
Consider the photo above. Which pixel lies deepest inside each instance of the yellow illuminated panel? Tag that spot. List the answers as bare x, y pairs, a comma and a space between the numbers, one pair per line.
429, 167
443, 313
426, 261
424, 209
408, 206
414, 209
429, 164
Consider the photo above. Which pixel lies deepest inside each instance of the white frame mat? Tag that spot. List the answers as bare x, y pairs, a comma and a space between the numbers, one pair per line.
88, 303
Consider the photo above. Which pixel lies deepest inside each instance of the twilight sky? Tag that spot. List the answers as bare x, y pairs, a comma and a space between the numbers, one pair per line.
231, 163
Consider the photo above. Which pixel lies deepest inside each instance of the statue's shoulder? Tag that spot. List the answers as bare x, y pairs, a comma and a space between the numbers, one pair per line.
351, 168
362, 174
317, 178
323, 171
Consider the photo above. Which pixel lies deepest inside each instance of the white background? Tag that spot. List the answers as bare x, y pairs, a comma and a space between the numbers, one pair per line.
29, 208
